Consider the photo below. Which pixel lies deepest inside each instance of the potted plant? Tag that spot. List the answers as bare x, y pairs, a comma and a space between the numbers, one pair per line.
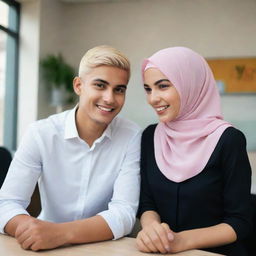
58, 76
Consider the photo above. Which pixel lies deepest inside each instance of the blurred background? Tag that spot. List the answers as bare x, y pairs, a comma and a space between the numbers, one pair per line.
33, 30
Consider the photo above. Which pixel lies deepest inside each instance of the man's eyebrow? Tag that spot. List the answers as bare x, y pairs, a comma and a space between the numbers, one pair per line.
101, 80
107, 83
158, 82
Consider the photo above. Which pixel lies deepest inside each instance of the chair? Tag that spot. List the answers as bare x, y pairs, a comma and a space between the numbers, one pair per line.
251, 241
5, 160
136, 229
34, 207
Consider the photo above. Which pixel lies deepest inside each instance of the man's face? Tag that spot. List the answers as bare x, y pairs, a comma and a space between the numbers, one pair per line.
101, 94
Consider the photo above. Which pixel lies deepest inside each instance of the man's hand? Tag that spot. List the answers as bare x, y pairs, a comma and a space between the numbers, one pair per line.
37, 235
156, 237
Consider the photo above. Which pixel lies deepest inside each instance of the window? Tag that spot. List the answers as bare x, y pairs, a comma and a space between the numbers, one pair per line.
9, 37
2, 79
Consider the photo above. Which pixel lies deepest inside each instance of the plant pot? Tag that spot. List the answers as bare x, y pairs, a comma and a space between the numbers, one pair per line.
58, 97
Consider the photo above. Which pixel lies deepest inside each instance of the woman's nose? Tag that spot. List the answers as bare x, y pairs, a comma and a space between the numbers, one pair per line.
153, 97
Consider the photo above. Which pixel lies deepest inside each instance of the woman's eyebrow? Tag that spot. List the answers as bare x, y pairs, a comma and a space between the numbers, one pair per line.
160, 81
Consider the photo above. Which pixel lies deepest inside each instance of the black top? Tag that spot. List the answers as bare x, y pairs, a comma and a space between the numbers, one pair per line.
219, 194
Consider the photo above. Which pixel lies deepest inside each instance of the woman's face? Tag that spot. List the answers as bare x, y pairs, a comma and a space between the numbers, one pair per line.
161, 95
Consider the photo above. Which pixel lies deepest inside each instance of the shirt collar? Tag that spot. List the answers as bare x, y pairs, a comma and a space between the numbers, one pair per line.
108, 131
70, 124
71, 129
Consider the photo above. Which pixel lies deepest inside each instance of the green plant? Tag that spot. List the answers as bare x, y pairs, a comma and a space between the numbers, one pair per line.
56, 72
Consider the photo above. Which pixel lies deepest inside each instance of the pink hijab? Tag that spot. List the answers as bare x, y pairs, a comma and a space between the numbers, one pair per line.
184, 145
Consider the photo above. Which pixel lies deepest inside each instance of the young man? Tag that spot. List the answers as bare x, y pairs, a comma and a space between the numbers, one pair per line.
86, 162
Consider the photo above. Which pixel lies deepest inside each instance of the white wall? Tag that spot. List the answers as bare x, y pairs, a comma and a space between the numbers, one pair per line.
28, 65
219, 28
40, 34
139, 28
51, 27
240, 110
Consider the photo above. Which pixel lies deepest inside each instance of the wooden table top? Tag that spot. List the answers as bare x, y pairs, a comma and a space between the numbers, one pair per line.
122, 247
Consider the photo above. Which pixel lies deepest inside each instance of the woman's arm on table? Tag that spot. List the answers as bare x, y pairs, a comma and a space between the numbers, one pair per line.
158, 237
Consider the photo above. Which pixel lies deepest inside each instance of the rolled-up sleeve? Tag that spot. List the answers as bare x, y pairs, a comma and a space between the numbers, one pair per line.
121, 213
22, 176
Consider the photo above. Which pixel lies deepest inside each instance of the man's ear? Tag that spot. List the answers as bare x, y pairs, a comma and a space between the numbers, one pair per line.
77, 84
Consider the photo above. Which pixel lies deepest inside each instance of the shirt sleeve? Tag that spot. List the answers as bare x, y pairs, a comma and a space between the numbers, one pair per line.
146, 202
21, 179
121, 213
237, 184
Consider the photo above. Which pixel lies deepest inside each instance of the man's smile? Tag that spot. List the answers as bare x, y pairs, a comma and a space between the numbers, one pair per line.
103, 108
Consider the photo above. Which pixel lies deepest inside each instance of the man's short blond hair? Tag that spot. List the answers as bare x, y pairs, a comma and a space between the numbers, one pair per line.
103, 55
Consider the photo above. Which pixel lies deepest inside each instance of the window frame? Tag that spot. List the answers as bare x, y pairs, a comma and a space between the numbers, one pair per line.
11, 75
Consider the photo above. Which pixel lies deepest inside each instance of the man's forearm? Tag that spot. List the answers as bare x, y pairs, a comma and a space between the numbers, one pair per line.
87, 230
80, 231
51, 235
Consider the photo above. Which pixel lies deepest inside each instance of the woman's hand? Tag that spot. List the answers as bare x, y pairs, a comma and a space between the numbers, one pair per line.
155, 237
158, 237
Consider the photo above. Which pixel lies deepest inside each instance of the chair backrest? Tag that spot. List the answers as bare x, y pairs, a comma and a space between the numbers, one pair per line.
251, 241
34, 207
5, 160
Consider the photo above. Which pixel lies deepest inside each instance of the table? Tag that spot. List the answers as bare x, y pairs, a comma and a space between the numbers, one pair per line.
122, 247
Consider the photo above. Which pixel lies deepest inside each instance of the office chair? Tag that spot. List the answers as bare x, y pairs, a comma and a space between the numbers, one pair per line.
34, 207
5, 160
251, 241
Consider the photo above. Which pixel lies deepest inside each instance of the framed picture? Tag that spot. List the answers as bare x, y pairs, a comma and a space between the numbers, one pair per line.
236, 80
234, 75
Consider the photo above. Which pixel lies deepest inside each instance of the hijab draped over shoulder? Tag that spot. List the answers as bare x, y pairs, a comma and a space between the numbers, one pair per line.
184, 145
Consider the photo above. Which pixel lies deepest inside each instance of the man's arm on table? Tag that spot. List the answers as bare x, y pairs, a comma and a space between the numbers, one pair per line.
115, 222
36, 234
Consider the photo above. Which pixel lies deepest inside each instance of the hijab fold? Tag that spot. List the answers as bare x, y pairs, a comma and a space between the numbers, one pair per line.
183, 146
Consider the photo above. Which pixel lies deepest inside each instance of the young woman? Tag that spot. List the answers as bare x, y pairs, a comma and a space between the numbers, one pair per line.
196, 177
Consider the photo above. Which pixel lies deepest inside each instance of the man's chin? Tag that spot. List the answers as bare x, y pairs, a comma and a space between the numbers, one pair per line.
105, 122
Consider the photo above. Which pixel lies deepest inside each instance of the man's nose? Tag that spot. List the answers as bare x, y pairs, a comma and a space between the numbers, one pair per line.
108, 97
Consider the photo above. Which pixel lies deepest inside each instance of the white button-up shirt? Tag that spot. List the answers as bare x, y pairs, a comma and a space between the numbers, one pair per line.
75, 181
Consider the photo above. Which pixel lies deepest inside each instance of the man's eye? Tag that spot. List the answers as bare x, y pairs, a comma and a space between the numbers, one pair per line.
120, 90
99, 85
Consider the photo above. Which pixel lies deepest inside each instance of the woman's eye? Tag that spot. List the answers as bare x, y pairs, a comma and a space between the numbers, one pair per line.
162, 86
147, 89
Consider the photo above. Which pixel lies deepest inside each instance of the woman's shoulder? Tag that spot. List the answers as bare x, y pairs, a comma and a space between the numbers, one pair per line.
232, 134
232, 137
149, 131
